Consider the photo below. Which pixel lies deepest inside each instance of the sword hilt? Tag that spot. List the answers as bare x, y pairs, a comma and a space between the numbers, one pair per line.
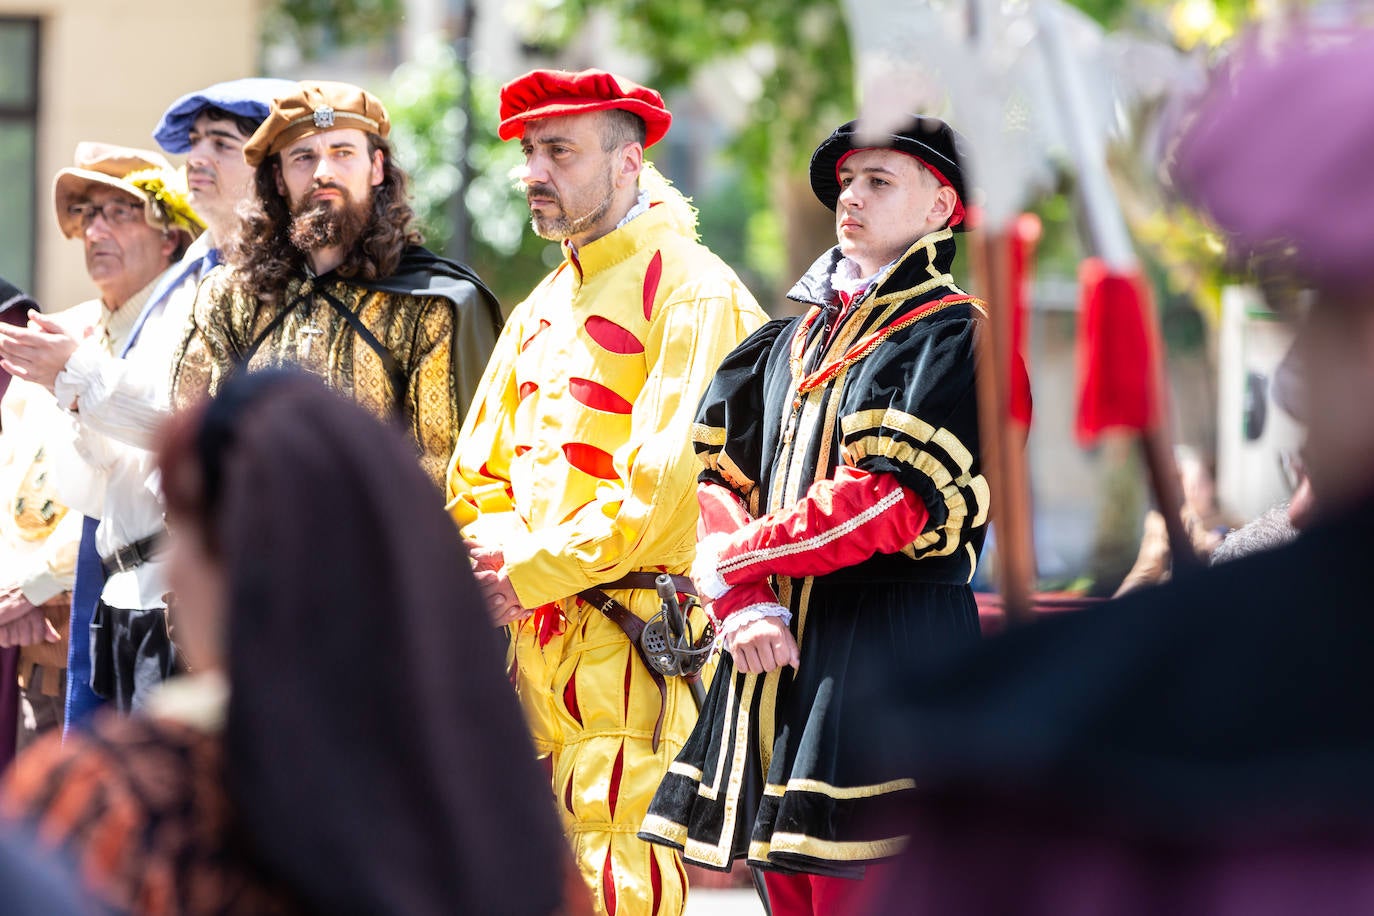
672, 609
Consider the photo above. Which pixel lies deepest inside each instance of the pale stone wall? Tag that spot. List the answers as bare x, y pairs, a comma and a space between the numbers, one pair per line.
107, 70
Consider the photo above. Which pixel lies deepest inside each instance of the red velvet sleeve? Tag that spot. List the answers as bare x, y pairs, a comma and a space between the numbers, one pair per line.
839, 523
723, 513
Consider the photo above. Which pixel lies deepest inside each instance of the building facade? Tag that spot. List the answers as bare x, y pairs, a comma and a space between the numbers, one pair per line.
73, 70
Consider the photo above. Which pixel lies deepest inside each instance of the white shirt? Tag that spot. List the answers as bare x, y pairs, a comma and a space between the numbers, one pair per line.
129, 399
101, 475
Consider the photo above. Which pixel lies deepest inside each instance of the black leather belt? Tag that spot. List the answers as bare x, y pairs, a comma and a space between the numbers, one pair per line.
131, 556
649, 580
633, 627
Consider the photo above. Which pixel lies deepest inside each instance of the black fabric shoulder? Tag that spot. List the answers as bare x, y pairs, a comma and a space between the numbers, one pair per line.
911, 409
423, 273
922, 369
727, 435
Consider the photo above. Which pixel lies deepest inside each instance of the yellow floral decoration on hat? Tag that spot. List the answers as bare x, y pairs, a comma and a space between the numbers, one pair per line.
168, 198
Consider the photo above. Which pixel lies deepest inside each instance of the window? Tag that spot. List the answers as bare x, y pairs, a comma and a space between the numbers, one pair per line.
18, 148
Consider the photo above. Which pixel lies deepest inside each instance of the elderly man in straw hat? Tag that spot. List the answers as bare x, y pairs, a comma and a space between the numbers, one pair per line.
128, 399
131, 213
328, 275
118, 397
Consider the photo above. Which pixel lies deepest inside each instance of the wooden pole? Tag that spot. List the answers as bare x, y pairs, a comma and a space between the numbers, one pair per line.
1001, 441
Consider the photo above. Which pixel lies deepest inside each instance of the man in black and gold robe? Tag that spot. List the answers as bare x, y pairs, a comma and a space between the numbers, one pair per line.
328, 274
843, 506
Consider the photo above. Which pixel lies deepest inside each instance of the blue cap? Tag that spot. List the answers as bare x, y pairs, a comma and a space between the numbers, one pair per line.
247, 98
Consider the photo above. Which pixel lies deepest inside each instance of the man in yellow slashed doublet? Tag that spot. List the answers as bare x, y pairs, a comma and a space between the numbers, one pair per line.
574, 467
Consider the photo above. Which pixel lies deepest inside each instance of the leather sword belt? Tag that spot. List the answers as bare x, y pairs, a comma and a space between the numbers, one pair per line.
132, 556
633, 627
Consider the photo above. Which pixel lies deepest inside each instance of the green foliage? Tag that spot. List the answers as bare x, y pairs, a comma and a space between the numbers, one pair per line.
791, 61
315, 24
794, 54
427, 120
736, 223
1228, 14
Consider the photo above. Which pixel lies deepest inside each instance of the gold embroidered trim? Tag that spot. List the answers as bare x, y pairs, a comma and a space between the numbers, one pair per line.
954, 448
902, 295
826, 789
671, 831
925, 463
708, 435
864, 347
735, 477
683, 769
800, 844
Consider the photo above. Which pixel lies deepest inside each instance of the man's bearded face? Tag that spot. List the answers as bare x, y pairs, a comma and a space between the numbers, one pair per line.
320, 219
555, 218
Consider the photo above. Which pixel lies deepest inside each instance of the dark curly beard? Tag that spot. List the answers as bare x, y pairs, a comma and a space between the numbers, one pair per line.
319, 224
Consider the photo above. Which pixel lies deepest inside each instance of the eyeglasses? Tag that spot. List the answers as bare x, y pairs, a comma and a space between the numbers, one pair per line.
116, 212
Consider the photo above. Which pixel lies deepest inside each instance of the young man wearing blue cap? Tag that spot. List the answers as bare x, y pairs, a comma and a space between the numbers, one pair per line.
119, 396
842, 508
211, 127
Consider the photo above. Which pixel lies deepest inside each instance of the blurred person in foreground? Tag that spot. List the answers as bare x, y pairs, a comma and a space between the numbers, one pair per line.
34, 883
1273, 528
843, 506
286, 782
574, 472
1203, 747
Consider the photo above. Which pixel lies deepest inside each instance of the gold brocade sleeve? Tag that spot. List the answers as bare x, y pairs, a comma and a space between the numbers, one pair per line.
479, 472
434, 388
205, 356
647, 517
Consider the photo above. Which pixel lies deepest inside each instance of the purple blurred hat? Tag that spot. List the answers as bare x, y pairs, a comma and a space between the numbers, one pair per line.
1279, 154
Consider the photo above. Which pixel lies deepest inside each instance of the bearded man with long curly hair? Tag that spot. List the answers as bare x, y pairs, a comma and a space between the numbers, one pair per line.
327, 273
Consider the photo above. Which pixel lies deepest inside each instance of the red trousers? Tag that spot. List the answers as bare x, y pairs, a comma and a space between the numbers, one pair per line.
821, 895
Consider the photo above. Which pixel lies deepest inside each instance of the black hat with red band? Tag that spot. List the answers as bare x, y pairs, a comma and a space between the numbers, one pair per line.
932, 142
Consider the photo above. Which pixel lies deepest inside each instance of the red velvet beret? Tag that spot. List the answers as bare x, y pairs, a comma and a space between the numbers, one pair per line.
554, 93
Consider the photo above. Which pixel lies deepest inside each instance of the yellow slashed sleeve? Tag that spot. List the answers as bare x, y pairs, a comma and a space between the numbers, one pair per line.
479, 472
648, 516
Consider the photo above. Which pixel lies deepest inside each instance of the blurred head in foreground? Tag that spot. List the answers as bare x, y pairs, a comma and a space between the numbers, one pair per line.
375, 755
1277, 156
